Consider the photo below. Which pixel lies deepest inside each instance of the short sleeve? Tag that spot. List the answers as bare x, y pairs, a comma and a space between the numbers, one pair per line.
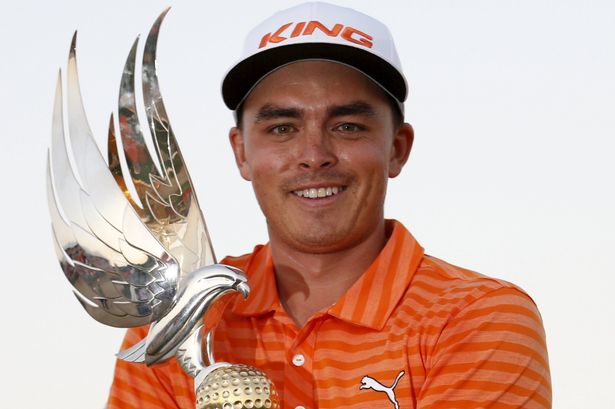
490, 354
135, 385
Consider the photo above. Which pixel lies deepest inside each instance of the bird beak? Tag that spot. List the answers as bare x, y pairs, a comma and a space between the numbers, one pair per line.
243, 288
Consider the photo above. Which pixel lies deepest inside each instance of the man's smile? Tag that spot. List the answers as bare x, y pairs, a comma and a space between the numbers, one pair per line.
318, 192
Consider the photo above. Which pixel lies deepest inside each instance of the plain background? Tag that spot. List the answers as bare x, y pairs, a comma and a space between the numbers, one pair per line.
511, 173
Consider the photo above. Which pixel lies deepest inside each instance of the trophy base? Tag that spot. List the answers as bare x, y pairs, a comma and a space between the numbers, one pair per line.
236, 387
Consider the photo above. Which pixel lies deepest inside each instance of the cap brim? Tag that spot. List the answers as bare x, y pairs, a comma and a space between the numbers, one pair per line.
240, 80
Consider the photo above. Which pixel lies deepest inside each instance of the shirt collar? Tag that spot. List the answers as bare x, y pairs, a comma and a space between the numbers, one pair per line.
261, 278
370, 300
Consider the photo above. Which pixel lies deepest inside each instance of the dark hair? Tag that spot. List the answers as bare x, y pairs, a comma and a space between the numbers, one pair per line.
396, 109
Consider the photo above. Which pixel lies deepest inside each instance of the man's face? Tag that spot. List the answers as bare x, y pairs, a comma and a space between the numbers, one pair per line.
318, 142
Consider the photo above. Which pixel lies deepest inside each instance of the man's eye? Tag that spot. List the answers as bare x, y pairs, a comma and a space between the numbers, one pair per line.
350, 127
281, 129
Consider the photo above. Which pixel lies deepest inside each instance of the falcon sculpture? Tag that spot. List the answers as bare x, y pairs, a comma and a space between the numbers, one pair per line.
134, 258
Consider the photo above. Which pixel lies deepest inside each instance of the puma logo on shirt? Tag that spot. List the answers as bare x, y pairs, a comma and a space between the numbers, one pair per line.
370, 383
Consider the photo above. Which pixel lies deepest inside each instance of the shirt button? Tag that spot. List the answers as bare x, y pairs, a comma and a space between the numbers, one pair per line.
299, 407
298, 360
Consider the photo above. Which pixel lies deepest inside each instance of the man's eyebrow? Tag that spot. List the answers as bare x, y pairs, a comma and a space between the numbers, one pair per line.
354, 108
269, 111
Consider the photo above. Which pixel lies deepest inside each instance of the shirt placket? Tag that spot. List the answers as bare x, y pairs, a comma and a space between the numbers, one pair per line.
298, 377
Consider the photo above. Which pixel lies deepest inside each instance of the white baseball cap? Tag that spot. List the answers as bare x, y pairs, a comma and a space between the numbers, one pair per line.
319, 31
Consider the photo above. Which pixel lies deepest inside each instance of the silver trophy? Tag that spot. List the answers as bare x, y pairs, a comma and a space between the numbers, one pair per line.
147, 259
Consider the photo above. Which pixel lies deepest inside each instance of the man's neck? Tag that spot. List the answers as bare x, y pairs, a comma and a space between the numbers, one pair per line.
308, 282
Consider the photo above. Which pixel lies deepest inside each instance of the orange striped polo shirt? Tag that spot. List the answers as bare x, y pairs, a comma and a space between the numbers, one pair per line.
412, 332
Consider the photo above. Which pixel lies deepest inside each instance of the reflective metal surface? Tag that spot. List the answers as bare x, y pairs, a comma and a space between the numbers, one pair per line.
136, 260
197, 294
236, 387
120, 272
169, 205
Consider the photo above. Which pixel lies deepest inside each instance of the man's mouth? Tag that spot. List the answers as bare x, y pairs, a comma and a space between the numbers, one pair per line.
319, 192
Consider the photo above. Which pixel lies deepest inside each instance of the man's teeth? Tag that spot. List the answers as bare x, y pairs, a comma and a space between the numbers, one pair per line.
314, 193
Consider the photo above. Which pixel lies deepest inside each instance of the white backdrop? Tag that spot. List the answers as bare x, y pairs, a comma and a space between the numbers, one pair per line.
511, 173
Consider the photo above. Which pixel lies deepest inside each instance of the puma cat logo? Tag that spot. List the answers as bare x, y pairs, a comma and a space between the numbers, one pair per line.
370, 383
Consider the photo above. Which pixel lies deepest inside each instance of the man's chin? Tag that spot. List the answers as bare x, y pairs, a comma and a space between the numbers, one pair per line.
316, 238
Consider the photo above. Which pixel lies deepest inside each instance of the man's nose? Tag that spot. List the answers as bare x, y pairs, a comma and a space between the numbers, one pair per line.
317, 151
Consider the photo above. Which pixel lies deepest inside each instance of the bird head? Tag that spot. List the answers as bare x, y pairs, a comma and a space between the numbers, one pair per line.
201, 293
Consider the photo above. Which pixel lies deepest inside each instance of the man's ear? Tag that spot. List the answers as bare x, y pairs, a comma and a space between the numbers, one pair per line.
239, 150
400, 151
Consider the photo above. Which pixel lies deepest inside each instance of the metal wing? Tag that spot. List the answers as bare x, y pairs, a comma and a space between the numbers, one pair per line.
120, 272
168, 204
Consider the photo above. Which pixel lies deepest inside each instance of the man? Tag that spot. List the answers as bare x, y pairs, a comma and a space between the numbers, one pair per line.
346, 309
